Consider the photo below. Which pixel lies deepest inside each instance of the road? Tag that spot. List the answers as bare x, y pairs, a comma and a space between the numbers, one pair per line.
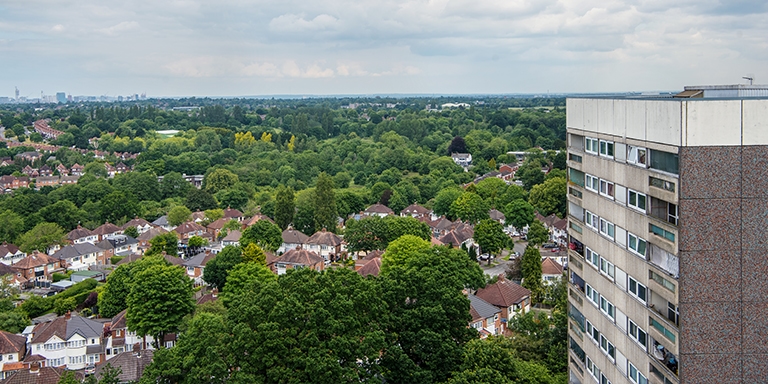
494, 270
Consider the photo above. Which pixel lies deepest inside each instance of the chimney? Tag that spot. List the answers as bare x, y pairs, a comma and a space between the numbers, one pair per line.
68, 315
34, 368
215, 292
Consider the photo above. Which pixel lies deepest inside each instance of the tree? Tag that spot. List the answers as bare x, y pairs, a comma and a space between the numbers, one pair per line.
65, 305
366, 234
179, 214
174, 185
200, 200
42, 237
13, 226
285, 206
159, 302
397, 226
445, 199
491, 190
108, 375
519, 213
530, 266
131, 231
263, 233
490, 236
13, 321
197, 241
252, 253
212, 215
549, 197
457, 146
65, 213
218, 268
219, 179
167, 242
325, 203
96, 169
470, 208
537, 233
530, 173
117, 206
142, 185
112, 296
68, 378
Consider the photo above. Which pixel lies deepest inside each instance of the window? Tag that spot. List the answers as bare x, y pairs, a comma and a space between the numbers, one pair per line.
604, 380
661, 232
576, 176
663, 330
606, 148
593, 258
637, 290
592, 295
607, 268
593, 369
636, 155
662, 281
607, 347
636, 244
593, 333
637, 200
672, 314
591, 219
606, 188
575, 158
575, 227
607, 228
638, 334
663, 210
663, 184
607, 308
665, 161
590, 145
575, 192
636, 376
591, 182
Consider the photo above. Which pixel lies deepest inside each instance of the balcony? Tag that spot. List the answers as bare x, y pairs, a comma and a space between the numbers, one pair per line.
666, 261
663, 358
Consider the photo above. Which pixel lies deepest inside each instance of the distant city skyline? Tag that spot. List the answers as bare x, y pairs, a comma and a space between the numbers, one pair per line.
252, 48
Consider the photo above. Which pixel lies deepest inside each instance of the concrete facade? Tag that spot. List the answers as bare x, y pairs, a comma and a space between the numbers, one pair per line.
667, 203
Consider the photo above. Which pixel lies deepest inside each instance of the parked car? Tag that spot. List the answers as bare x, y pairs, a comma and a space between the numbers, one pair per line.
549, 245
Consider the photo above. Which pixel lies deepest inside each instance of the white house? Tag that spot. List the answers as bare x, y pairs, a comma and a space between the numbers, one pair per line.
12, 350
78, 257
72, 342
10, 254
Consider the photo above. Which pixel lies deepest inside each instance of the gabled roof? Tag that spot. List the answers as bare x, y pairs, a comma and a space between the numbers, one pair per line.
107, 229
151, 233
256, 218
131, 363
415, 208
496, 215
136, 222
218, 224
129, 259
198, 216
324, 238
503, 293
6, 248
372, 267
299, 256
379, 208
115, 241
230, 213
76, 250
481, 309
10, 343
457, 236
561, 224
292, 236
34, 259
79, 233
65, 328
551, 267
189, 226
200, 260
173, 260
232, 236
45, 375
162, 220
119, 322
441, 224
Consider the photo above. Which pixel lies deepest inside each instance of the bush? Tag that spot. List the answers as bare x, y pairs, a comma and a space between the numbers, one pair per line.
116, 259
59, 277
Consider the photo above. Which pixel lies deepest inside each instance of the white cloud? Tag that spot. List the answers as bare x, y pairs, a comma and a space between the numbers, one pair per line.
124, 26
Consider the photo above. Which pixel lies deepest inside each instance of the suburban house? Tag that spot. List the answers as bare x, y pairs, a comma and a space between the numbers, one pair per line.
145, 237
45, 171
107, 229
416, 211
189, 229
30, 156
77, 170
232, 238
486, 318
62, 170
71, 179
37, 267
10, 254
118, 245
296, 258
79, 257
122, 168
13, 182
371, 267
198, 216
551, 271
464, 160
507, 172
34, 373
72, 342
162, 222
29, 171
214, 228
256, 218
233, 214
440, 227
460, 234
326, 244
130, 363
378, 209
42, 127
496, 215
511, 298
140, 224
13, 348
196, 266
292, 239
120, 339
82, 235
46, 181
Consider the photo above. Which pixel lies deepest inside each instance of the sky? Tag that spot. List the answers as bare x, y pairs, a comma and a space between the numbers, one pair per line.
332, 47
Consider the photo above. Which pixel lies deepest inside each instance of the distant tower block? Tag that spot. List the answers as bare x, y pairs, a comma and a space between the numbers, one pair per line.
17, 93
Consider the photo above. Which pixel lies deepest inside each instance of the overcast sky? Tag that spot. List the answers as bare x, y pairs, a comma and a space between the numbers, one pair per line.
240, 47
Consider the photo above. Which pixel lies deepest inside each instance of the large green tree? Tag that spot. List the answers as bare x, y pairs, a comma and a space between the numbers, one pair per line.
167, 242
444, 200
326, 214
174, 185
160, 297
490, 236
265, 234
530, 266
200, 200
41, 237
537, 233
549, 197
179, 214
470, 208
118, 205
13, 226
285, 206
219, 179
216, 270
113, 294
519, 213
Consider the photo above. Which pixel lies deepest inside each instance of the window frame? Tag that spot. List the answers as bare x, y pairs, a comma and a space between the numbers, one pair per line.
609, 185
636, 206
593, 258
607, 269
607, 308
592, 295
606, 146
637, 240
594, 371
607, 347
591, 145
592, 220
591, 183
634, 376
635, 292
635, 334
635, 159
607, 229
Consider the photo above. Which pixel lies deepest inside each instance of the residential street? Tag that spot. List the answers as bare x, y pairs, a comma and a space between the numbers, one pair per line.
494, 270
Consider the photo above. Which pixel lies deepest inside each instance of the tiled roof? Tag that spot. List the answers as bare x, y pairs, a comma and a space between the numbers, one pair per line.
481, 307
131, 363
379, 208
189, 226
76, 250
372, 267
79, 233
551, 267
496, 215
118, 322
230, 213
219, 224
10, 343
6, 248
200, 260
151, 233
233, 236
136, 222
45, 375
292, 236
299, 256
64, 328
35, 259
503, 293
324, 238
107, 229
256, 218
162, 220
415, 208
129, 259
